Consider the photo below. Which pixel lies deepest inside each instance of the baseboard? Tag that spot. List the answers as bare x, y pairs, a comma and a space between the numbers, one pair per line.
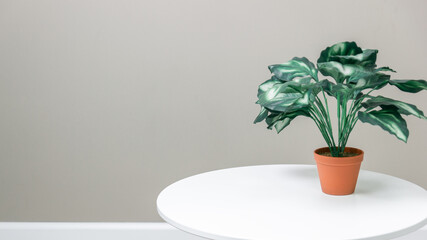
91, 231
111, 231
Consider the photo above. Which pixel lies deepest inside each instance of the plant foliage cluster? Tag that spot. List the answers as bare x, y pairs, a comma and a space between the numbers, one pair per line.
295, 89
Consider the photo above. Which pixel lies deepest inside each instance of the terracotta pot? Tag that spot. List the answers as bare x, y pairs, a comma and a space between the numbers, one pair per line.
338, 175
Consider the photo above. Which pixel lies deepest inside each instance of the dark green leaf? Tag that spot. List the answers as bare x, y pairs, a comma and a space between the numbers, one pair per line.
297, 67
339, 49
345, 59
360, 74
315, 88
285, 97
403, 108
278, 101
332, 69
305, 100
334, 90
384, 69
262, 115
303, 80
273, 118
282, 120
412, 86
327, 86
265, 86
369, 80
365, 59
388, 119
280, 125
359, 95
342, 90
338, 71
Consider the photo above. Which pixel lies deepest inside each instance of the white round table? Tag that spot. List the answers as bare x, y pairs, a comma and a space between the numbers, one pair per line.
285, 202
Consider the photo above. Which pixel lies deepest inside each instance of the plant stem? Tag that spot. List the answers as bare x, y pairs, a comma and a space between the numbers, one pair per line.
319, 126
347, 119
327, 107
339, 120
325, 116
344, 123
351, 119
325, 126
353, 123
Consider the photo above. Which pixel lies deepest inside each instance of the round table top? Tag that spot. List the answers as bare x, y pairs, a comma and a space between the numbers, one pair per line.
272, 202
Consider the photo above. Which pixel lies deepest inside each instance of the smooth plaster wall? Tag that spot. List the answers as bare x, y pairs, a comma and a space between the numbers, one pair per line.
105, 103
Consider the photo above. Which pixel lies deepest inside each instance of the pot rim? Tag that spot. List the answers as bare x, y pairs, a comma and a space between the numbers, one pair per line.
329, 160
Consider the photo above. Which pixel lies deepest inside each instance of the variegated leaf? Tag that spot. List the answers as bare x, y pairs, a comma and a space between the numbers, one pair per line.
265, 86
365, 59
403, 108
388, 119
262, 115
297, 67
384, 69
412, 86
339, 49
338, 71
282, 120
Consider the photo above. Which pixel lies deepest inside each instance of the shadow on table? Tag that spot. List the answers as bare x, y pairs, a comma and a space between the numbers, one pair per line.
305, 173
365, 185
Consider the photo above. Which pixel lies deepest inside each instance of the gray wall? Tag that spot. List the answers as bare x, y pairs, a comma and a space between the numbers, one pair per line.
105, 103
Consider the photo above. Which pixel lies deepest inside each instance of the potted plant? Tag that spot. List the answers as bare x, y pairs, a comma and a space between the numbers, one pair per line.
295, 89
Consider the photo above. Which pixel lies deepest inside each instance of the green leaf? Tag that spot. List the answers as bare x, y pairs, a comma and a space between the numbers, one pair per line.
297, 67
282, 120
384, 69
388, 119
338, 71
332, 69
339, 49
365, 59
345, 59
278, 101
334, 90
327, 86
265, 86
303, 80
364, 80
341, 89
412, 86
314, 88
353, 72
283, 102
262, 115
273, 118
280, 125
285, 97
403, 108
